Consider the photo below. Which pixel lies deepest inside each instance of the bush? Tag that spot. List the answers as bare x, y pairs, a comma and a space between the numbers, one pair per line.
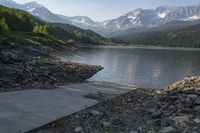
43, 29
70, 42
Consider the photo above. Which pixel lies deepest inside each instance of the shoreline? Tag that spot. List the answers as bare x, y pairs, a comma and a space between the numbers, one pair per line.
141, 110
138, 47
35, 67
170, 110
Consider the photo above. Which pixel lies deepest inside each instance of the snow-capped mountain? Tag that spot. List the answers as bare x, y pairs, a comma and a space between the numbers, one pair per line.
42, 12
138, 18
81, 21
10, 4
34, 8
153, 17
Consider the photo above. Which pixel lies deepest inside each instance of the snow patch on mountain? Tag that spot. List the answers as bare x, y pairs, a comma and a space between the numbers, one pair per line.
162, 15
145, 18
30, 9
118, 26
193, 18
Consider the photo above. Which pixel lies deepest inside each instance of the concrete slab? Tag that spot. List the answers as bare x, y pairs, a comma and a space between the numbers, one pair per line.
21, 111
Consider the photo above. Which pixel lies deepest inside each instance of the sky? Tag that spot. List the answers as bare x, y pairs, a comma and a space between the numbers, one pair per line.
100, 10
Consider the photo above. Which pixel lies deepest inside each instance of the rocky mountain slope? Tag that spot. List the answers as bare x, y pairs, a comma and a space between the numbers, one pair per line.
146, 18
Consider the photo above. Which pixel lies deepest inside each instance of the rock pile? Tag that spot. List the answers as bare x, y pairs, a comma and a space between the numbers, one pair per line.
188, 82
175, 109
21, 72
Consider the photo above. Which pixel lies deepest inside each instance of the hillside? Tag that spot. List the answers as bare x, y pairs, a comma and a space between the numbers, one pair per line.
173, 34
66, 31
137, 18
13, 20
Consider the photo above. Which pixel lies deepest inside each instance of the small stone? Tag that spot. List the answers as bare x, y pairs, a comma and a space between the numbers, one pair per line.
129, 100
192, 96
180, 120
118, 122
94, 112
167, 130
196, 120
133, 132
106, 124
156, 115
151, 131
141, 129
78, 129
197, 101
197, 108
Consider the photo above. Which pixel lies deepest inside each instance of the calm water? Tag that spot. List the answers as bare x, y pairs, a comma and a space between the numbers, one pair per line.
145, 67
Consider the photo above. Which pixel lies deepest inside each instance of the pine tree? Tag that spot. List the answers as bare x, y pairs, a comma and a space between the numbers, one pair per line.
4, 29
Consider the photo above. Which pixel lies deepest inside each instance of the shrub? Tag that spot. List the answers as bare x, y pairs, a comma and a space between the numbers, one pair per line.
70, 42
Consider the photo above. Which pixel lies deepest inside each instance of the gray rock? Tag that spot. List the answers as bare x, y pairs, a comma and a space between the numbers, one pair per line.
133, 132
78, 129
180, 121
151, 131
141, 129
118, 122
197, 108
94, 112
196, 120
106, 124
156, 115
167, 130
197, 101
192, 96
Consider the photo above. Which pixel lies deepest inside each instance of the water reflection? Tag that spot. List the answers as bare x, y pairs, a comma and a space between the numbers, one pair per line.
143, 67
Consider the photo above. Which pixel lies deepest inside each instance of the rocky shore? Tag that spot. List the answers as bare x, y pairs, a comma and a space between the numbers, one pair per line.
175, 109
27, 68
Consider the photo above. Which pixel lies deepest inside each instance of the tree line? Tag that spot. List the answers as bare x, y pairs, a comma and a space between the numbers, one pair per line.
185, 37
21, 21
16, 20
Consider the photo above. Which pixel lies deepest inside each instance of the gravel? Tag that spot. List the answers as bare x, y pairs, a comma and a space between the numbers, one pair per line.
174, 109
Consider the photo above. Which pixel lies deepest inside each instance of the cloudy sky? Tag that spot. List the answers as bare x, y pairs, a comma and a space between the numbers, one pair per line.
101, 10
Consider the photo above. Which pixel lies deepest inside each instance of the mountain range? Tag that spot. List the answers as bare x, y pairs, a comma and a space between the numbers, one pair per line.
172, 34
138, 18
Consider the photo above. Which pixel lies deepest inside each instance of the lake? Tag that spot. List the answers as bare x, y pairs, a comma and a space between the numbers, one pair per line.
145, 67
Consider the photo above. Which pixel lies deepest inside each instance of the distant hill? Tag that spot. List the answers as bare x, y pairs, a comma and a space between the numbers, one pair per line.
173, 34
170, 26
66, 31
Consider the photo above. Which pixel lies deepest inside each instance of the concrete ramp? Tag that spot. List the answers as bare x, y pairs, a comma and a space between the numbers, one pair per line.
21, 111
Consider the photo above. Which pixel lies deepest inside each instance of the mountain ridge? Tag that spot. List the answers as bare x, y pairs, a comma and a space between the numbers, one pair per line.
137, 18
153, 17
